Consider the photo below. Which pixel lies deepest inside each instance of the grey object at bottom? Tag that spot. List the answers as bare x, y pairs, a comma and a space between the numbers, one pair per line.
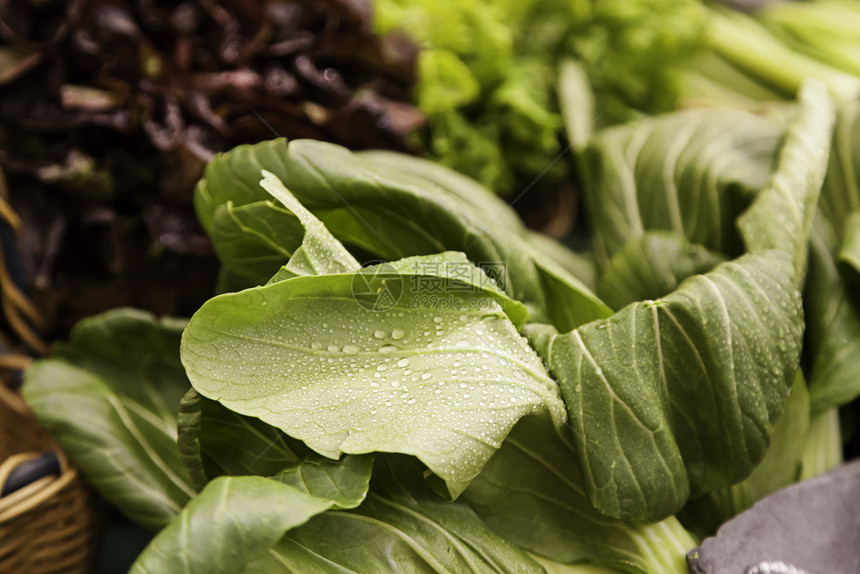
809, 528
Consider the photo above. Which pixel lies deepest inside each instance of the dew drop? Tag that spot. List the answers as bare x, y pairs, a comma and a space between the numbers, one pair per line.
398, 334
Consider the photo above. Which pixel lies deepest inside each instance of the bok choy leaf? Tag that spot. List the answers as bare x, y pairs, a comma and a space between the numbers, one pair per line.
110, 398
724, 345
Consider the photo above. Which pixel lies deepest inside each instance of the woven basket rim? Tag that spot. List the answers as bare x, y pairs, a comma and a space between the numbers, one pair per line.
53, 524
37, 492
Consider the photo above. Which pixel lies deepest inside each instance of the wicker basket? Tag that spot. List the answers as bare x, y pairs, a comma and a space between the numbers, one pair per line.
54, 523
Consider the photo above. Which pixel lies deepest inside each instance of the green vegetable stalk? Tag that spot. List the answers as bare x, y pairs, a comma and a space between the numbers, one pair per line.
767, 55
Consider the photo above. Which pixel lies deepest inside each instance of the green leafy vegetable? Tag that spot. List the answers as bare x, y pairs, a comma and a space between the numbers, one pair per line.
782, 215
833, 315
201, 540
532, 494
752, 57
215, 441
651, 267
833, 326
782, 464
401, 526
320, 253
580, 265
393, 416
343, 482
691, 173
576, 101
629, 382
823, 450
780, 467
747, 44
444, 385
400, 209
256, 239
487, 73
825, 30
110, 398
552, 567
849, 253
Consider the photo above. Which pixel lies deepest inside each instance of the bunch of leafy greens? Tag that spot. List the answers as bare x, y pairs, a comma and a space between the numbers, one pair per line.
764, 56
750, 61
487, 72
468, 404
682, 229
